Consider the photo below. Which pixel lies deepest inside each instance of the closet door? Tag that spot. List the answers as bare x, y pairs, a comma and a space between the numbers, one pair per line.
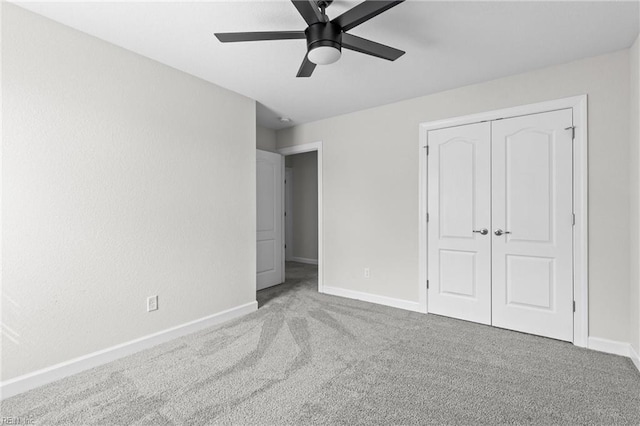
532, 158
459, 238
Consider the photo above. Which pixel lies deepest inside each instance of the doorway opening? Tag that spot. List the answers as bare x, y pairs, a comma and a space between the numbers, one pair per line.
301, 208
303, 211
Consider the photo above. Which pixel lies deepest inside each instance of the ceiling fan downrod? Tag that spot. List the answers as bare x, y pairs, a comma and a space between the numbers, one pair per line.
323, 4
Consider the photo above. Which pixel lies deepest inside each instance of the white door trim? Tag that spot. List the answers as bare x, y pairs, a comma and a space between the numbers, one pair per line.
299, 149
288, 220
580, 193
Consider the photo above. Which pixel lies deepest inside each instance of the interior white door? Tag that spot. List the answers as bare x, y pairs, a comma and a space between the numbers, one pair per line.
532, 194
270, 218
459, 239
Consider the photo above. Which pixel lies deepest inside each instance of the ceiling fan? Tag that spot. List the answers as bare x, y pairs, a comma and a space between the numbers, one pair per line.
326, 38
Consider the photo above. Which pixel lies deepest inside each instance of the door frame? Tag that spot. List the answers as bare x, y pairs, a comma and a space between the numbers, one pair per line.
299, 149
580, 198
288, 213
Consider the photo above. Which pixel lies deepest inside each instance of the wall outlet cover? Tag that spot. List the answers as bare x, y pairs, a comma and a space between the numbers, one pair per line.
152, 303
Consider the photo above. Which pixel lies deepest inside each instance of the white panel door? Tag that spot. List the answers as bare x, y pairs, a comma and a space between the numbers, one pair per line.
459, 199
532, 194
270, 218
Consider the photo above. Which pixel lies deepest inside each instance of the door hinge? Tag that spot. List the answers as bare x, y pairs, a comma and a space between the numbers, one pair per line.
574, 306
427, 284
573, 131
573, 219
427, 148
427, 217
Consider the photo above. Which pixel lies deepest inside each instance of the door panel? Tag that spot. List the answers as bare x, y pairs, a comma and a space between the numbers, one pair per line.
459, 260
457, 187
269, 221
521, 272
266, 256
457, 273
529, 184
532, 198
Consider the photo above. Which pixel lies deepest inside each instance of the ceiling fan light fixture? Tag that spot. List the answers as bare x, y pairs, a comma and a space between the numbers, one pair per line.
324, 55
324, 43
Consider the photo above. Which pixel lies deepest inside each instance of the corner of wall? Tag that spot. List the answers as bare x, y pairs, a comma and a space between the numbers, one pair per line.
265, 139
634, 195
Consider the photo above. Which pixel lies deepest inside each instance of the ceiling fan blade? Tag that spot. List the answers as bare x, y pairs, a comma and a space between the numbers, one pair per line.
369, 47
309, 11
259, 36
363, 12
306, 69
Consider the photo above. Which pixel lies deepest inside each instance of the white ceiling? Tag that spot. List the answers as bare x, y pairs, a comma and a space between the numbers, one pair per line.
448, 44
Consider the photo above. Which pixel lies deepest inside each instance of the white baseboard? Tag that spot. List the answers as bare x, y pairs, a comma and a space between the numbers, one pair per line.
609, 346
304, 260
373, 298
614, 347
634, 357
59, 371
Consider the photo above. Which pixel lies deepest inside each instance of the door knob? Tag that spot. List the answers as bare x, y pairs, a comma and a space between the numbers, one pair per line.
483, 231
499, 232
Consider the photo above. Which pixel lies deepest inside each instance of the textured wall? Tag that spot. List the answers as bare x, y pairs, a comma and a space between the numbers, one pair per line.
265, 139
305, 205
122, 178
634, 157
370, 181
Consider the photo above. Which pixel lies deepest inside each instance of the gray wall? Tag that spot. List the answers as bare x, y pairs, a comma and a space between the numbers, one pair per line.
305, 204
634, 63
370, 181
122, 178
265, 139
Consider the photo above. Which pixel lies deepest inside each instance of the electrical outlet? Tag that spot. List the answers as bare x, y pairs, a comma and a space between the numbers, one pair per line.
367, 273
152, 303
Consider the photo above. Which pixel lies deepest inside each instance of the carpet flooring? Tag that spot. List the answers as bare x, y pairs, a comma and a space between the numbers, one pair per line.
308, 358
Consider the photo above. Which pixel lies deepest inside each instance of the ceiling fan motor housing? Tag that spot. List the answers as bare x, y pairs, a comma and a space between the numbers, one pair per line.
324, 34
